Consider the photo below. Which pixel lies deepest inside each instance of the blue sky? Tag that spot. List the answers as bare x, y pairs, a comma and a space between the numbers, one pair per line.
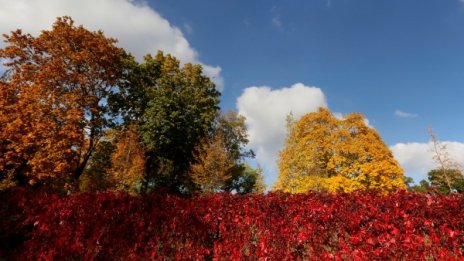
369, 56
400, 62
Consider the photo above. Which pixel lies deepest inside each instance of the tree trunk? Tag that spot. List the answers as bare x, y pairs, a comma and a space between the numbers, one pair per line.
146, 173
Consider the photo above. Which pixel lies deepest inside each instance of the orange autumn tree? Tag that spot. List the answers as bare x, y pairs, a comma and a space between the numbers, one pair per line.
128, 161
52, 100
324, 153
213, 165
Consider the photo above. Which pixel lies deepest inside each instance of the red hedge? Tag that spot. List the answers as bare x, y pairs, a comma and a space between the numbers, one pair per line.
358, 226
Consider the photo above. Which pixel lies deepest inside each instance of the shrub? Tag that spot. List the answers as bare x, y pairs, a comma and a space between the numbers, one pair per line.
364, 225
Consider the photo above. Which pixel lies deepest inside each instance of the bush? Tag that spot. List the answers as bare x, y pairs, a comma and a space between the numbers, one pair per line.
364, 225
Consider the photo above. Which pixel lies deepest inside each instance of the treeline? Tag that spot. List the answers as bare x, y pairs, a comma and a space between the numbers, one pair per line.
79, 113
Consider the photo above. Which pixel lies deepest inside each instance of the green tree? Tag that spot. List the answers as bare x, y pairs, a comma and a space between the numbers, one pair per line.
231, 126
96, 174
446, 181
173, 108
244, 179
422, 187
135, 89
248, 180
408, 181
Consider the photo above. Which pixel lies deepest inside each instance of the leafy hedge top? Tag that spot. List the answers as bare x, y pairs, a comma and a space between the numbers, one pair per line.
353, 226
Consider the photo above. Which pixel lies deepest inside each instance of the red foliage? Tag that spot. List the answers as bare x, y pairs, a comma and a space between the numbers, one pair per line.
358, 226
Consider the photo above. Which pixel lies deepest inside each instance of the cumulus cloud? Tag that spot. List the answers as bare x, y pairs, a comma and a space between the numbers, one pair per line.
266, 110
138, 27
403, 114
417, 158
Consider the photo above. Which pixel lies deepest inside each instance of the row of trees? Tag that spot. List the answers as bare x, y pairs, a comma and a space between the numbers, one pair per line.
443, 181
76, 111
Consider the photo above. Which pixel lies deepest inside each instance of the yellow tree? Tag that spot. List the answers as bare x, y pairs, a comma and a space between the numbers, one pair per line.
52, 100
213, 165
324, 153
128, 161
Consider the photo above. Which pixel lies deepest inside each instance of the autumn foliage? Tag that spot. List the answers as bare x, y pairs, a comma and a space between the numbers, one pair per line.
324, 153
51, 100
315, 226
128, 160
213, 166
77, 112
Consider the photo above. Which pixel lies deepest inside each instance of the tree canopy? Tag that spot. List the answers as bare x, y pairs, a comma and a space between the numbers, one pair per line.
446, 180
324, 153
213, 165
52, 100
76, 111
220, 159
173, 107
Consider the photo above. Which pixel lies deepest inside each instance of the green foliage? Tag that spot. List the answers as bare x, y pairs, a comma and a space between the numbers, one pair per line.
134, 89
210, 172
246, 180
408, 181
446, 180
232, 127
422, 187
173, 107
95, 177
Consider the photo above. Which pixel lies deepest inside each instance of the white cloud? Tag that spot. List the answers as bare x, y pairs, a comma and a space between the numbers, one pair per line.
340, 116
417, 158
188, 28
139, 28
276, 21
368, 123
266, 109
403, 114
